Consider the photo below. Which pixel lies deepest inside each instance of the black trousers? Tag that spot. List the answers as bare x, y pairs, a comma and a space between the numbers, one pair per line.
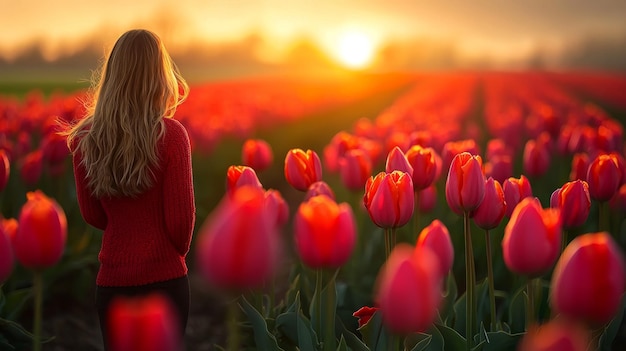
177, 290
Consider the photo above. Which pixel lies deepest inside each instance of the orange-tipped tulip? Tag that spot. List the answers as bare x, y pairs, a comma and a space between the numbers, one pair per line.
325, 232
604, 177
238, 176
532, 238
574, 202
491, 211
40, 239
302, 168
257, 154
319, 188
143, 323
465, 185
424, 163
589, 280
437, 237
409, 290
556, 335
389, 199
355, 167
515, 190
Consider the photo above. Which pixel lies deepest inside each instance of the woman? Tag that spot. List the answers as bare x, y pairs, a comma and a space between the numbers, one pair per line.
132, 167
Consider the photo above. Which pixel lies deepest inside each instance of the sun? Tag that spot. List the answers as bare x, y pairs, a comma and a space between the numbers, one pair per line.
354, 49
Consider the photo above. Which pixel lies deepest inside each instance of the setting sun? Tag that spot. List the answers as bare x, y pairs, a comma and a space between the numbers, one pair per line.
355, 49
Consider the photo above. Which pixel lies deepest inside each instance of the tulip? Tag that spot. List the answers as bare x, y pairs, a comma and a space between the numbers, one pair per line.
618, 202
437, 238
452, 148
324, 232
556, 335
465, 185
604, 177
532, 238
238, 176
257, 154
355, 167
32, 167
493, 207
536, 158
424, 164
6, 256
409, 290
364, 314
580, 165
319, 188
397, 161
427, 199
276, 204
5, 169
40, 239
238, 245
302, 168
389, 199
499, 167
574, 202
143, 323
515, 189
589, 279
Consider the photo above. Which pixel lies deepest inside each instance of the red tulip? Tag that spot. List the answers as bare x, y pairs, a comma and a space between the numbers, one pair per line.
424, 164
364, 314
427, 199
491, 211
452, 148
618, 202
238, 176
389, 199
6, 256
589, 279
580, 165
604, 177
257, 154
319, 188
302, 168
465, 185
276, 204
437, 238
5, 169
238, 246
556, 335
396, 161
499, 167
574, 202
324, 232
532, 238
355, 167
515, 190
409, 290
536, 158
42, 232
32, 167
143, 323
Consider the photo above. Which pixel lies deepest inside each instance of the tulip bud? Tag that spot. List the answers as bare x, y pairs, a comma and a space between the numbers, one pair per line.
143, 323
532, 238
515, 189
574, 202
324, 232
580, 165
277, 205
302, 168
424, 164
536, 158
257, 154
319, 188
5, 169
389, 199
465, 185
396, 161
604, 177
409, 290
238, 176
238, 245
589, 279
42, 232
499, 167
437, 238
556, 335
427, 199
355, 167
491, 210
32, 167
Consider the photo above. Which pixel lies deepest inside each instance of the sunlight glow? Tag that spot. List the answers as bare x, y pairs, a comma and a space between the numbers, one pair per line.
355, 49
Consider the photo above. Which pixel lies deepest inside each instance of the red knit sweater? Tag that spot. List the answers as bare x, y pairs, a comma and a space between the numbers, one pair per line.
146, 238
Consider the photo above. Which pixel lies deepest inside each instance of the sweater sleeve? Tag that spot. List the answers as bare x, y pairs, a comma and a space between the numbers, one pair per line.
178, 199
90, 207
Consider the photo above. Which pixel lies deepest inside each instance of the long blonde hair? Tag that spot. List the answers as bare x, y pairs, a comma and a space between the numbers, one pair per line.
139, 85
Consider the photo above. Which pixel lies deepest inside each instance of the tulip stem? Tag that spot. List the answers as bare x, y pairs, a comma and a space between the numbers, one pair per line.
490, 279
530, 306
469, 283
318, 296
38, 291
233, 328
387, 243
603, 213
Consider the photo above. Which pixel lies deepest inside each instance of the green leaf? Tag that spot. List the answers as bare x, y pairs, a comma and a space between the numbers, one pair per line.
517, 311
263, 339
417, 341
342, 345
611, 330
352, 340
296, 327
323, 317
460, 314
501, 340
15, 301
446, 311
374, 333
453, 340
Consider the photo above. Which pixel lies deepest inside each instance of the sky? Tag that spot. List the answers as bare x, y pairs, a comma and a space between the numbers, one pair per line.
502, 30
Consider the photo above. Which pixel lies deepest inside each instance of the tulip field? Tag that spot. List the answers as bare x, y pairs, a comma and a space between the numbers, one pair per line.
410, 211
